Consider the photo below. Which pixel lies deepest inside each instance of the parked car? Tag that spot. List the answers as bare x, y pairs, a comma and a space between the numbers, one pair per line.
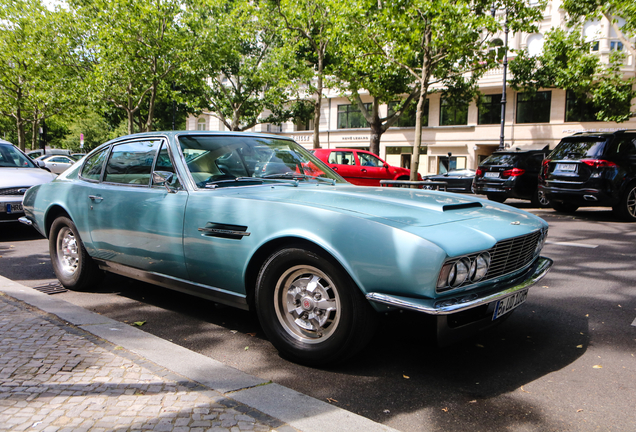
361, 167
17, 174
512, 174
57, 163
460, 180
34, 154
592, 169
315, 256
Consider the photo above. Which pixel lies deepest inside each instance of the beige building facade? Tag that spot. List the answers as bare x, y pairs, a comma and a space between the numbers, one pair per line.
473, 134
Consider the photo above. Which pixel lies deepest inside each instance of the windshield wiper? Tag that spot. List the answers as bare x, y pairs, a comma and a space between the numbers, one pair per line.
296, 176
229, 182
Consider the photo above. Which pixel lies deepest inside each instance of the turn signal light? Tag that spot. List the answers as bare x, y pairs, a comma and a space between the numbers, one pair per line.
479, 173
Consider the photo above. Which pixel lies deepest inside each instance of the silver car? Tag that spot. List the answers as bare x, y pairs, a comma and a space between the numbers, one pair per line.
17, 174
57, 163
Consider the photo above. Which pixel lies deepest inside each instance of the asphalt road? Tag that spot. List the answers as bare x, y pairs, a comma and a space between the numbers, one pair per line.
564, 361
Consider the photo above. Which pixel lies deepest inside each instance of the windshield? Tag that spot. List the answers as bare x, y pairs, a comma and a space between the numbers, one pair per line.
500, 159
578, 149
226, 160
11, 157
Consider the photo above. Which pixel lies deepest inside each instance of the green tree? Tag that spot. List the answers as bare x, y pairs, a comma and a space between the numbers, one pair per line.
250, 71
440, 43
567, 62
35, 84
134, 50
310, 26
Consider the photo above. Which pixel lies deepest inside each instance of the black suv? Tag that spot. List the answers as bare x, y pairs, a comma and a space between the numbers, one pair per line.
511, 174
592, 169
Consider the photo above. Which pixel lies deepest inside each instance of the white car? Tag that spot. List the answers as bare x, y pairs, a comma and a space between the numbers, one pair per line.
57, 163
17, 174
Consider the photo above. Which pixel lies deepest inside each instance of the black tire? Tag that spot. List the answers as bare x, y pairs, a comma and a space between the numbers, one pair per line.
626, 208
74, 268
310, 309
540, 200
496, 198
564, 207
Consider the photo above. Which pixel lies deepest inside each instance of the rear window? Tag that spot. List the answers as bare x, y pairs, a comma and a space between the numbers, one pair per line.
578, 149
500, 159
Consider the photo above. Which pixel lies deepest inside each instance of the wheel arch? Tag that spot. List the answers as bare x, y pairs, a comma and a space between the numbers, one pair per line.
53, 213
267, 249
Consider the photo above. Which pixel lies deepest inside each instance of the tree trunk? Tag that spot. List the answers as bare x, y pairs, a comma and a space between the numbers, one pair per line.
376, 129
34, 137
151, 107
415, 163
318, 104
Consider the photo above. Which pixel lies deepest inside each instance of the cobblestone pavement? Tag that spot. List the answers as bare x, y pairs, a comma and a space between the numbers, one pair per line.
55, 377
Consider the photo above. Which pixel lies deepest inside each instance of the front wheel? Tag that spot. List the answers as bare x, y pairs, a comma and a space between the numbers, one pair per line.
626, 208
310, 309
72, 265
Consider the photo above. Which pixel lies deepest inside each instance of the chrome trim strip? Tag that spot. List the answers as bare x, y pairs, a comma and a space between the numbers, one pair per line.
200, 290
469, 300
224, 231
25, 220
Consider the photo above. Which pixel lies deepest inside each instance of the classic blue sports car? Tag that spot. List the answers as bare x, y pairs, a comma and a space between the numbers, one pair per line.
257, 222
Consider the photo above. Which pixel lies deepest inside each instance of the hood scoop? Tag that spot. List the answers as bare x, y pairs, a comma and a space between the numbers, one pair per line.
461, 206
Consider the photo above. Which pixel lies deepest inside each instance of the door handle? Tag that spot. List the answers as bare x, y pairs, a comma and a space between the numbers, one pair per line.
335, 168
95, 198
363, 170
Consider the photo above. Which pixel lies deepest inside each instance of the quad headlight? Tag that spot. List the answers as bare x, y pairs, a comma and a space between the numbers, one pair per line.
466, 269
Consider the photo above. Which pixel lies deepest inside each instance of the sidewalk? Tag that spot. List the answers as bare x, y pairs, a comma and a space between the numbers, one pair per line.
63, 368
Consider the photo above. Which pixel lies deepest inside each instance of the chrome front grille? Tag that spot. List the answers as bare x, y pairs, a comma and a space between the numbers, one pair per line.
513, 254
14, 190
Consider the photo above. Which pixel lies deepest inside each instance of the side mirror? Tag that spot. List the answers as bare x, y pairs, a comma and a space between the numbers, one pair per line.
163, 178
386, 165
41, 164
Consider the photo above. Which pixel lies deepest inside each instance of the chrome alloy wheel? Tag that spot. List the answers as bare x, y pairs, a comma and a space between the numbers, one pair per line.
307, 304
67, 251
543, 200
631, 203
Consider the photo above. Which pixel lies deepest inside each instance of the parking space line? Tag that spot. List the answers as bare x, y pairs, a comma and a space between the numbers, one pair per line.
634, 323
583, 245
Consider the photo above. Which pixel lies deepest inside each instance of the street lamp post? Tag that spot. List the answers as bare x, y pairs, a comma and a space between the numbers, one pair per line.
503, 91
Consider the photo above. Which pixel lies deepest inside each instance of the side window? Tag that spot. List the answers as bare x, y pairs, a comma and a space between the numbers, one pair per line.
164, 164
131, 162
92, 169
627, 147
341, 158
367, 159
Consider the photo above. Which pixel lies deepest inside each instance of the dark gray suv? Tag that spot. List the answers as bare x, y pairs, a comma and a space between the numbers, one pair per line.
592, 169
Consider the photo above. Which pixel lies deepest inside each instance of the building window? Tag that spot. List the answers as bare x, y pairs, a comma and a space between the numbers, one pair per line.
534, 108
453, 113
201, 124
616, 45
408, 117
595, 46
350, 117
578, 108
489, 109
304, 125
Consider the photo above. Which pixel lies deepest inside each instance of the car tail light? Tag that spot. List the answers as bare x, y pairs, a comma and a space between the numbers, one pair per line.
545, 166
598, 163
515, 172
479, 173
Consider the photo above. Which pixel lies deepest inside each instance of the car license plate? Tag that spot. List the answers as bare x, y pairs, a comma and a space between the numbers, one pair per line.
12, 208
509, 303
566, 167
491, 174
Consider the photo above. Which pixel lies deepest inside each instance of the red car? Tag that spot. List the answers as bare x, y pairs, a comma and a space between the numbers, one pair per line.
361, 167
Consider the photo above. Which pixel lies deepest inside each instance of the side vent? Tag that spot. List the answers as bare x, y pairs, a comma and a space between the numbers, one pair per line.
234, 232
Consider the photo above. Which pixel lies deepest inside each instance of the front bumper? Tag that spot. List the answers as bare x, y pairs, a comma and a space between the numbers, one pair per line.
468, 300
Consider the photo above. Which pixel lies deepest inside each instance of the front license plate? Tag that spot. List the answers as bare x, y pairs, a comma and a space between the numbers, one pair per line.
566, 167
491, 174
13, 208
509, 303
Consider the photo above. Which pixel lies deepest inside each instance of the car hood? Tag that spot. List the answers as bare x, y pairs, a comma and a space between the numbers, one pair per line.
397, 207
17, 177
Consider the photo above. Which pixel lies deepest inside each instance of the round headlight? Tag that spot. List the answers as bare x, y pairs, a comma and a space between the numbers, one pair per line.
479, 266
459, 272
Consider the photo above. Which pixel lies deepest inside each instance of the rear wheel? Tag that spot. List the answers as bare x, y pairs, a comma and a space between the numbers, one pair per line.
72, 265
496, 198
310, 309
564, 207
626, 208
540, 200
